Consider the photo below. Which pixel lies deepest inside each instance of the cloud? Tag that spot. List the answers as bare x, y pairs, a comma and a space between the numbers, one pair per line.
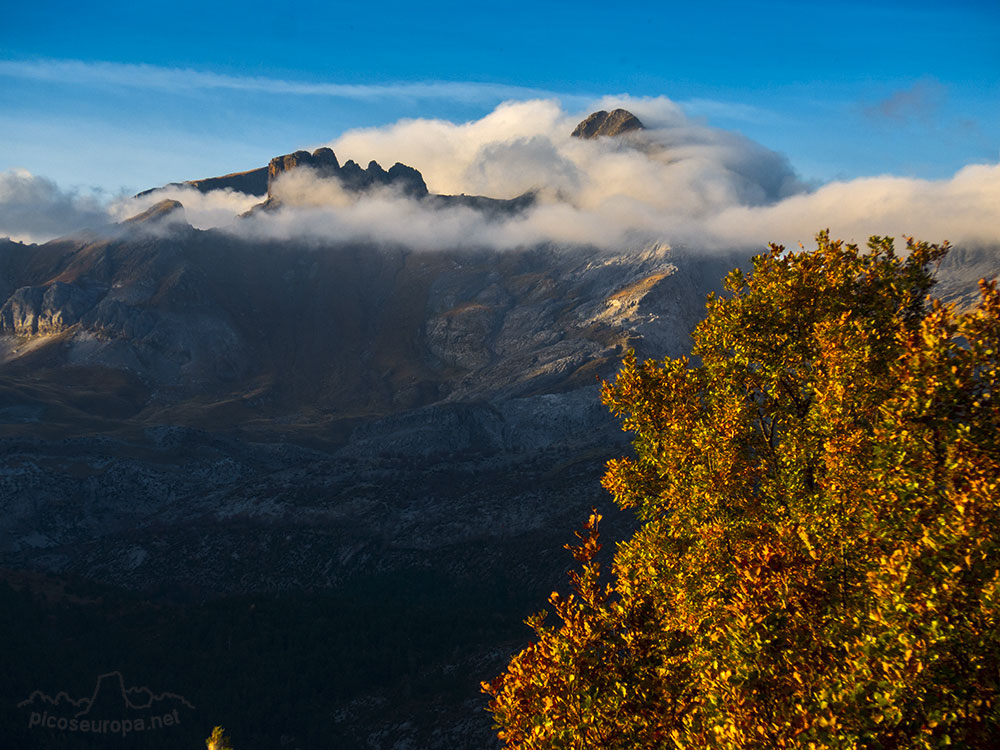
385, 216
34, 208
218, 209
961, 209
921, 101
526, 146
179, 80
679, 182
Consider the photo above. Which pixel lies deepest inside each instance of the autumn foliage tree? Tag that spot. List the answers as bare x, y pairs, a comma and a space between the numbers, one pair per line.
817, 563
218, 740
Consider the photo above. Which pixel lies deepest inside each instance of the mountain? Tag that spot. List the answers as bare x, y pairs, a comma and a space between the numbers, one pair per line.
314, 485
192, 417
347, 327
252, 358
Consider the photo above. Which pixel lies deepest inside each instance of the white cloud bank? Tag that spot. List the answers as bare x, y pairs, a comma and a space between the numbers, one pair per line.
679, 182
964, 209
219, 209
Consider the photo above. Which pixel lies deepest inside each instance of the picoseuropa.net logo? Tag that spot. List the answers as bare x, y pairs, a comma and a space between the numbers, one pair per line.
111, 709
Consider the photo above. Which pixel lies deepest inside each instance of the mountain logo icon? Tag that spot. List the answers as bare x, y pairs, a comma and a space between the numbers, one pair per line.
112, 708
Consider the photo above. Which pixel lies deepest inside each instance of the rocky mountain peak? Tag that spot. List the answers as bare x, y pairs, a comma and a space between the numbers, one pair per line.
323, 160
351, 176
612, 123
167, 211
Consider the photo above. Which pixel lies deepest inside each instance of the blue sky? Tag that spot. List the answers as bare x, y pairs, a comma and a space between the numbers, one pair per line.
124, 96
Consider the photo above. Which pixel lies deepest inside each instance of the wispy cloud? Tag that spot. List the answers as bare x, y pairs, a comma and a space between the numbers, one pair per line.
180, 80
723, 110
921, 101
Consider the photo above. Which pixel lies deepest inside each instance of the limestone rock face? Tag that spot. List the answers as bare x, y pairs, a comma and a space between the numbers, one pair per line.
44, 309
323, 160
612, 123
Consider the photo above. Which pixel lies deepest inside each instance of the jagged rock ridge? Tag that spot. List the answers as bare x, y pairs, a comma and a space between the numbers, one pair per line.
353, 178
356, 179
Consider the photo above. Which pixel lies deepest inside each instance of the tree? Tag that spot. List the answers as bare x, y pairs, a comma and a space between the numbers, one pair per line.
218, 740
817, 563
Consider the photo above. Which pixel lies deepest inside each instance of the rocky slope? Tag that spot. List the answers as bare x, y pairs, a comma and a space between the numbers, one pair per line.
364, 352
343, 328
188, 415
251, 182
